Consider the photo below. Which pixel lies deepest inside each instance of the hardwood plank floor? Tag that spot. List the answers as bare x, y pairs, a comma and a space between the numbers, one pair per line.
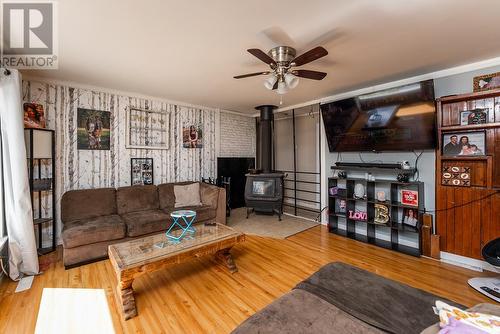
203, 297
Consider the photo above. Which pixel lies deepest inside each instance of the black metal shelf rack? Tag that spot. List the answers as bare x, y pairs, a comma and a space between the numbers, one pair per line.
42, 186
371, 231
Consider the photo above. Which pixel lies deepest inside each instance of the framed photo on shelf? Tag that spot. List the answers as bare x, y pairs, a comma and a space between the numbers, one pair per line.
141, 171
340, 205
410, 217
464, 144
474, 116
486, 82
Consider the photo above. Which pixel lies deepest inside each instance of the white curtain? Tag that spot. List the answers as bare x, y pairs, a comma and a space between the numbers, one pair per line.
23, 259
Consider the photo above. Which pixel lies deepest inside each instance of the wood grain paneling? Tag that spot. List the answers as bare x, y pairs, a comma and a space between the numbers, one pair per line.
468, 217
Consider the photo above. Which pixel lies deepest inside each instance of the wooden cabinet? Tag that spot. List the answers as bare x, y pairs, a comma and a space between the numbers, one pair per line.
467, 217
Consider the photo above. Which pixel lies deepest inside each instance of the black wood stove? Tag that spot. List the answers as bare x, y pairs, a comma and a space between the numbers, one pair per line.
264, 190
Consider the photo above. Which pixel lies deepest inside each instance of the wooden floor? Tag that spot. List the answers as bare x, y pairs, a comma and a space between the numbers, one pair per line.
203, 297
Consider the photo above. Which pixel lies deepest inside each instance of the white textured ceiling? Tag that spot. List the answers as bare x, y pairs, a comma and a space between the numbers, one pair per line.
190, 50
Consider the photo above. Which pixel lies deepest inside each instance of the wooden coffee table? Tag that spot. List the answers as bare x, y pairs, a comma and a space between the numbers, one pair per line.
139, 256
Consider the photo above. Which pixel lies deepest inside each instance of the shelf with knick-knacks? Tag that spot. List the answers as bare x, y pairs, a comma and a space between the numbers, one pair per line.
385, 213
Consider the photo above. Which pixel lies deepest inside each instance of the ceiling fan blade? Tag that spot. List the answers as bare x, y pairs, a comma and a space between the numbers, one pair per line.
315, 75
262, 56
250, 75
310, 56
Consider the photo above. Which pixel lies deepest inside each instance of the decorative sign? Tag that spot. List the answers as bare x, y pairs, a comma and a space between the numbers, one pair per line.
486, 82
475, 116
148, 129
357, 215
458, 176
409, 197
381, 214
141, 171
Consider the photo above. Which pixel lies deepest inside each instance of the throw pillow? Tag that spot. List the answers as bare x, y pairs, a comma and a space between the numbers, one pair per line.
187, 195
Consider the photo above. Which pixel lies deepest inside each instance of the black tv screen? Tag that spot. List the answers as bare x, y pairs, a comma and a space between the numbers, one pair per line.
396, 119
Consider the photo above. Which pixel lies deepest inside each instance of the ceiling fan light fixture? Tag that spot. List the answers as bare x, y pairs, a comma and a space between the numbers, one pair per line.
291, 80
282, 88
270, 81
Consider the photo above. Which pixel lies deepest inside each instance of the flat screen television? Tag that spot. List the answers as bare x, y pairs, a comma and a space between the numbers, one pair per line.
396, 119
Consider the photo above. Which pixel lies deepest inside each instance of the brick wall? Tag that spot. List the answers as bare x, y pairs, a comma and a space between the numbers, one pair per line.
237, 135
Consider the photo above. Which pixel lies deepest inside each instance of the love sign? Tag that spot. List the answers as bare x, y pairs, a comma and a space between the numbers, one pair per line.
357, 215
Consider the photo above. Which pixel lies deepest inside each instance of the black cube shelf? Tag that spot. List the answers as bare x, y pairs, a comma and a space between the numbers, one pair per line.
369, 231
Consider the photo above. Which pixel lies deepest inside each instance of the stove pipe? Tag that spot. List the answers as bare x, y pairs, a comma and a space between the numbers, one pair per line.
266, 137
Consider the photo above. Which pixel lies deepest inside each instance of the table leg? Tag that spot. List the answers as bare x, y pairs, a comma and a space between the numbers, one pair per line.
126, 299
226, 258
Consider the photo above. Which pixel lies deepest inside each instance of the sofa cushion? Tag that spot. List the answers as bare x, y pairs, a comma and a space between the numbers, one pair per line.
92, 230
209, 195
187, 195
87, 203
203, 212
136, 198
144, 222
166, 194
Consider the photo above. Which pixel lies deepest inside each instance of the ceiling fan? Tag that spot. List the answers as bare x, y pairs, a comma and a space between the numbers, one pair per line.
282, 60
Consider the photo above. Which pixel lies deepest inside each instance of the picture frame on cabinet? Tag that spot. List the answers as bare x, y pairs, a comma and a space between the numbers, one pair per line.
456, 144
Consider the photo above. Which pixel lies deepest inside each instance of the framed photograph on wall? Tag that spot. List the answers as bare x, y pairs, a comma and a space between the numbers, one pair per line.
464, 144
192, 136
486, 82
93, 131
34, 116
141, 171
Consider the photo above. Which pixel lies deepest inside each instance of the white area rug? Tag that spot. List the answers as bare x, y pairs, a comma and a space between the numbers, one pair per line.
75, 311
267, 226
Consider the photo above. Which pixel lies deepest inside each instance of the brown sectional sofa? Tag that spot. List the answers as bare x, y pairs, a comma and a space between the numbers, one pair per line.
93, 219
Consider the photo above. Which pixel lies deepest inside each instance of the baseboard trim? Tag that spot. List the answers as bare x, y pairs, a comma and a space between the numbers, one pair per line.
467, 262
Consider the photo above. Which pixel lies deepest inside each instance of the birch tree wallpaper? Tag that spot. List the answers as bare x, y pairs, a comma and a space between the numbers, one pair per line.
98, 168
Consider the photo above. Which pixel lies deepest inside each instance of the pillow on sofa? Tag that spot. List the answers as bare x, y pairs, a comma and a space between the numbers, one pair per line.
187, 195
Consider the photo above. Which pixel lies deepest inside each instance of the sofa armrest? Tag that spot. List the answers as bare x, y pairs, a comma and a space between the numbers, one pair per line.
209, 195
221, 207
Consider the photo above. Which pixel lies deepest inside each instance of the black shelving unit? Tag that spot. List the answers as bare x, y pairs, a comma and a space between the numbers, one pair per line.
369, 231
43, 186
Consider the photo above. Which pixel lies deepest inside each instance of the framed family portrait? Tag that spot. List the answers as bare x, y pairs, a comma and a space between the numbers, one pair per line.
464, 144
141, 171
